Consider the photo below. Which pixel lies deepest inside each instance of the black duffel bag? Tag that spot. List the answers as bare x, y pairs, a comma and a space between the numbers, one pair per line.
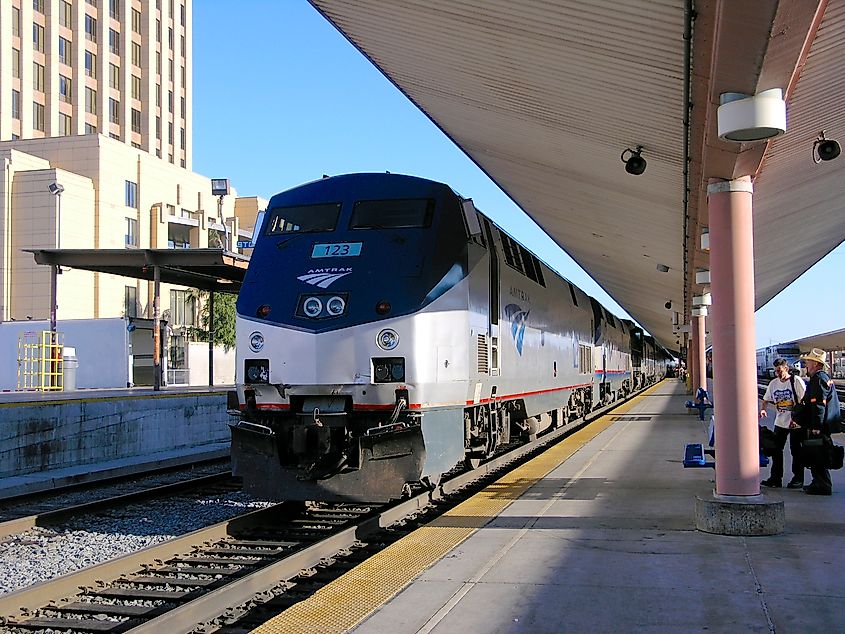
821, 452
768, 442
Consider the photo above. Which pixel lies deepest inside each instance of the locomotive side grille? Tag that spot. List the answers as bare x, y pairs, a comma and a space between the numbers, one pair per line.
483, 355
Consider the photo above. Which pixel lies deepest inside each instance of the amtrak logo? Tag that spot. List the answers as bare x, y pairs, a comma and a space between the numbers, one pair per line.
517, 317
324, 277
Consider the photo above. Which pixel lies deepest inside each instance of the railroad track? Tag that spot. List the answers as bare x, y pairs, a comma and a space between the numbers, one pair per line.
219, 576
18, 517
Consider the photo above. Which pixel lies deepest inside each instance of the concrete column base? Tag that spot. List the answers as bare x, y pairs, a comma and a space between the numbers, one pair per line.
739, 515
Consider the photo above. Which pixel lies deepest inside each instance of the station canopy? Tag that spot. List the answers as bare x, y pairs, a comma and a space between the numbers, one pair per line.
205, 269
545, 97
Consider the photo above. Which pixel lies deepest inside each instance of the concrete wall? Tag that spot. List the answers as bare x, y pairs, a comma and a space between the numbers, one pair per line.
45, 436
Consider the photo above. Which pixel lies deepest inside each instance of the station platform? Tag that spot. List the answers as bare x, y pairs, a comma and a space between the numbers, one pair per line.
57, 439
598, 534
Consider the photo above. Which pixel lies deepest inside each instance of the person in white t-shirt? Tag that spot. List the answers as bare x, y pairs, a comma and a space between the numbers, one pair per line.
783, 392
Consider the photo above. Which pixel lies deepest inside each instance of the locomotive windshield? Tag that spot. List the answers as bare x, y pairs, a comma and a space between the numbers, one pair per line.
392, 214
303, 218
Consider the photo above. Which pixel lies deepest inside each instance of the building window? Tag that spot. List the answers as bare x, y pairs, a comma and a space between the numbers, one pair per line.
158, 95
170, 133
137, 146
170, 101
16, 63
170, 37
184, 109
158, 130
93, 3
38, 37
182, 138
170, 69
37, 77
38, 5
130, 301
65, 124
16, 22
65, 89
131, 194
136, 87
182, 14
16, 105
38, 116
114, 110
136, 121
90, 64
158, 30
158, 62
64, 51
183, 46
90, 28
114, 76
65, 14
114, 41
131, 232
182, 308
90, 128
136, 54
90, 100
136, 20
114, 9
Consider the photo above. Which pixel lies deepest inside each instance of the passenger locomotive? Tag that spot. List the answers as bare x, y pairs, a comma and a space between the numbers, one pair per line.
387, 331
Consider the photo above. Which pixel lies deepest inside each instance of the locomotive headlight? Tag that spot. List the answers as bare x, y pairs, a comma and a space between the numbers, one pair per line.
312, 306
387, 339
335, 306
256, 341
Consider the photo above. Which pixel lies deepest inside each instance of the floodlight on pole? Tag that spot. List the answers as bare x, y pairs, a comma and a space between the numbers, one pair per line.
56, 189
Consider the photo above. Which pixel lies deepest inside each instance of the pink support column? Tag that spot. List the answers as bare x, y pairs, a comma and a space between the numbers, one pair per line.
732, 327
692, 364
700, 333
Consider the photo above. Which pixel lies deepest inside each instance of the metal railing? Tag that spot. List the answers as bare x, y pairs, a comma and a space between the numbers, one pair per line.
40, 362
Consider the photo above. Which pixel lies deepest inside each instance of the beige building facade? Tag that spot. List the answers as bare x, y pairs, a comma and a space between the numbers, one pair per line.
112, 196
121, 68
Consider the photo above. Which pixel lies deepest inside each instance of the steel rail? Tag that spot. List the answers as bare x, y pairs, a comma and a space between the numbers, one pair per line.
21, 524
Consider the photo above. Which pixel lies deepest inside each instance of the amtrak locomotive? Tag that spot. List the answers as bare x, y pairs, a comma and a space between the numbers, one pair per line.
386, 331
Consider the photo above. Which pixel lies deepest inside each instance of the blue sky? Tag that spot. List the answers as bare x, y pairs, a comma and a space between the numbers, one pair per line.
281, 98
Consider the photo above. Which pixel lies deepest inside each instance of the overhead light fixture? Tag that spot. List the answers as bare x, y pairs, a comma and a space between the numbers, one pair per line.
662, 268
634, 164
746, 118
56, 188
825, 149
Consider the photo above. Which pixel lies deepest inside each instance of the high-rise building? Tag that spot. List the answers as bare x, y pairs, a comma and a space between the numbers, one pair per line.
120, 68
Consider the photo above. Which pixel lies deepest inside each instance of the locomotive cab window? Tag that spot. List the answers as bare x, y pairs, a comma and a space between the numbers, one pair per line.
415, 213
303, 218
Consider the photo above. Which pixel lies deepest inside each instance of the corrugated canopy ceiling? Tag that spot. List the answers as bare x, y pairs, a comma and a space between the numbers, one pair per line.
545, 96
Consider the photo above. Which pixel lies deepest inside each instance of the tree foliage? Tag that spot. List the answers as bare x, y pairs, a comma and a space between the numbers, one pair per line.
223, 320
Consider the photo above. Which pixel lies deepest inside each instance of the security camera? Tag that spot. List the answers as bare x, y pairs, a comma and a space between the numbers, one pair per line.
825, 149
634, 164
668, 305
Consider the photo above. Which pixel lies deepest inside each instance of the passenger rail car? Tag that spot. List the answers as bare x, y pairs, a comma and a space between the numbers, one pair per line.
766, 358
386, 331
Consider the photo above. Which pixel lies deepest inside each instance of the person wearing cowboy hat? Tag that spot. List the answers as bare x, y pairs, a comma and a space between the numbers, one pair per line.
815, 405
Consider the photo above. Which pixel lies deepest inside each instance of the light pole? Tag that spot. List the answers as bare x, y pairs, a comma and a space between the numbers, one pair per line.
219, 188
56, 189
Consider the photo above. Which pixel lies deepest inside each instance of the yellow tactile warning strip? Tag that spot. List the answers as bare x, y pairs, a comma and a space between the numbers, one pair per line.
349, 599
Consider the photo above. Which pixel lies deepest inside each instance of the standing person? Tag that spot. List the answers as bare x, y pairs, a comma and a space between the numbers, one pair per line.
783, 392
815, 403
